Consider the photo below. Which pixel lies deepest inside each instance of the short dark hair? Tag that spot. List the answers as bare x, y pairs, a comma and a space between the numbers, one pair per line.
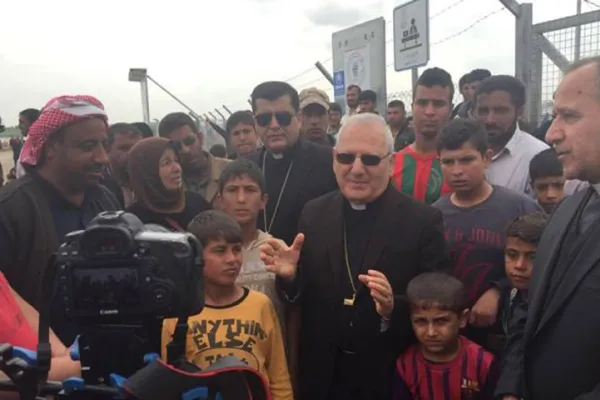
367, 95
273, 90
435, 77
528, 227
463, 81
144, 128
174, 121
335, 107
503, 83
218, 150
397, 104
478, 75
242, 167
239, 117
354, 86
460, 131
215, 225
120, 128
30, 114
436, 290
545, 164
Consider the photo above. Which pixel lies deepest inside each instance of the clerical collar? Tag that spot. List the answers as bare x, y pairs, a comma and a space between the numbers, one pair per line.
289, 151
372, 206
357, 206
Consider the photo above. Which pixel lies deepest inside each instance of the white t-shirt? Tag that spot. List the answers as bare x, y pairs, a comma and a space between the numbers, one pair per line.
19, 170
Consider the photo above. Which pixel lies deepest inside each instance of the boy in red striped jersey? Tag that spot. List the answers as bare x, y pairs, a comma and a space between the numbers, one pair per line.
443, 365
417, 169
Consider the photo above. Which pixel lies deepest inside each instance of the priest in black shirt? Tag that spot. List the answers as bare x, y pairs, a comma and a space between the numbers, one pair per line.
295, 169
348, 268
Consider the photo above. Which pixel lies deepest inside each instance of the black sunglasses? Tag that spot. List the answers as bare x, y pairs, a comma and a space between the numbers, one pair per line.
283, 118
369, 160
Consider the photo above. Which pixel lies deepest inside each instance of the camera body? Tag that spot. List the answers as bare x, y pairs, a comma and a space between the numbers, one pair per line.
121, 270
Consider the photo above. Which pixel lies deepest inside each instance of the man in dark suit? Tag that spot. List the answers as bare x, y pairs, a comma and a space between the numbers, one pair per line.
554, 346
357, 250
296, 170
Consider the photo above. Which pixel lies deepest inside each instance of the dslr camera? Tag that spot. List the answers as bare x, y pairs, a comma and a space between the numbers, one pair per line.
115, 282
119, 269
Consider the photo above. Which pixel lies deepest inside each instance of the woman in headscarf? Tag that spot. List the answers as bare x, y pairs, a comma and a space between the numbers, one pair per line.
155, 177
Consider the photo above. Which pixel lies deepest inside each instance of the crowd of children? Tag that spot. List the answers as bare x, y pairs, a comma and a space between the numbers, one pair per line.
243, 313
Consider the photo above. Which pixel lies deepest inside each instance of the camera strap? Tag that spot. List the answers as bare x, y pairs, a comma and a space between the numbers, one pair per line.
176, 348
174, 224
44, 352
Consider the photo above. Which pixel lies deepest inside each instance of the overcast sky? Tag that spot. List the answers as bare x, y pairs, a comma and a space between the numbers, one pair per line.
211, 53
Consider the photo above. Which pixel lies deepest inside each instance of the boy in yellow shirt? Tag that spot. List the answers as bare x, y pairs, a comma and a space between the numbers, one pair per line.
235, 321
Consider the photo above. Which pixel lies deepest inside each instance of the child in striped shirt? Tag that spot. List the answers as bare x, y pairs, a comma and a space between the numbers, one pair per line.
443, 365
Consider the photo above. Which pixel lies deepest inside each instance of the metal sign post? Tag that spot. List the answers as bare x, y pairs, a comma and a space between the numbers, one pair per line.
140, 75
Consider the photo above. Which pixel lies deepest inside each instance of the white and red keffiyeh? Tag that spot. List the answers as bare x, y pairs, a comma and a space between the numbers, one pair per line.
57, 113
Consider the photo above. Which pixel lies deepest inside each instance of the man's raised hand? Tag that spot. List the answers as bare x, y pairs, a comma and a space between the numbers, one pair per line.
280, 258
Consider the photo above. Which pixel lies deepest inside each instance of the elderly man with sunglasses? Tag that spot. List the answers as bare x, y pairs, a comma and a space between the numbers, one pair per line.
348, 268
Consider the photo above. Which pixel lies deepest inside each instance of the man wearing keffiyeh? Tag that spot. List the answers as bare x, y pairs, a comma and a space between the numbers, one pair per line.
64, 156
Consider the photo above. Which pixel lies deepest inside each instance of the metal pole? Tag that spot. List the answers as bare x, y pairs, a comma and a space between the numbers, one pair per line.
524, 56
172, 95
513, 6
145, 100
415, 77
324, 71
196, 118
221, 115
212, 115
227, 109
577, 51
250, 102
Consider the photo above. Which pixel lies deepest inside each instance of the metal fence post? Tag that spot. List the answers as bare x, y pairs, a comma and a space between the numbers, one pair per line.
524, 56
577, 49
535, 94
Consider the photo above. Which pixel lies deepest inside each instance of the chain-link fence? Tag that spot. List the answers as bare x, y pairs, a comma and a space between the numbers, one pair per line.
544, 51
565, 41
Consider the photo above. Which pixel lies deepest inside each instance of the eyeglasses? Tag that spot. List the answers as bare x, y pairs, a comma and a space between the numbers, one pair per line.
283, 118
368, 160
189, 140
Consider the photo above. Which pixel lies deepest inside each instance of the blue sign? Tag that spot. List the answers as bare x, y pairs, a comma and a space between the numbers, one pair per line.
339, 84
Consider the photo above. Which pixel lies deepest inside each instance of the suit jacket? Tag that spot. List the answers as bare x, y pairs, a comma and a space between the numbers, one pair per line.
310, 177
408, 239
533, 322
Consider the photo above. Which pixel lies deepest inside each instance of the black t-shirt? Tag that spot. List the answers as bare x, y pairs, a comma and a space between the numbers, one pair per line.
476, 236
194, 205
112, 184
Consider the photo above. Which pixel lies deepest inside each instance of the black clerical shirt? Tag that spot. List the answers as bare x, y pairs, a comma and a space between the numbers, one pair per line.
276, 170
359, 225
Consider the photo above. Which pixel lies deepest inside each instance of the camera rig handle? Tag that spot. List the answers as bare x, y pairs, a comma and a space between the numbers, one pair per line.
20, 366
